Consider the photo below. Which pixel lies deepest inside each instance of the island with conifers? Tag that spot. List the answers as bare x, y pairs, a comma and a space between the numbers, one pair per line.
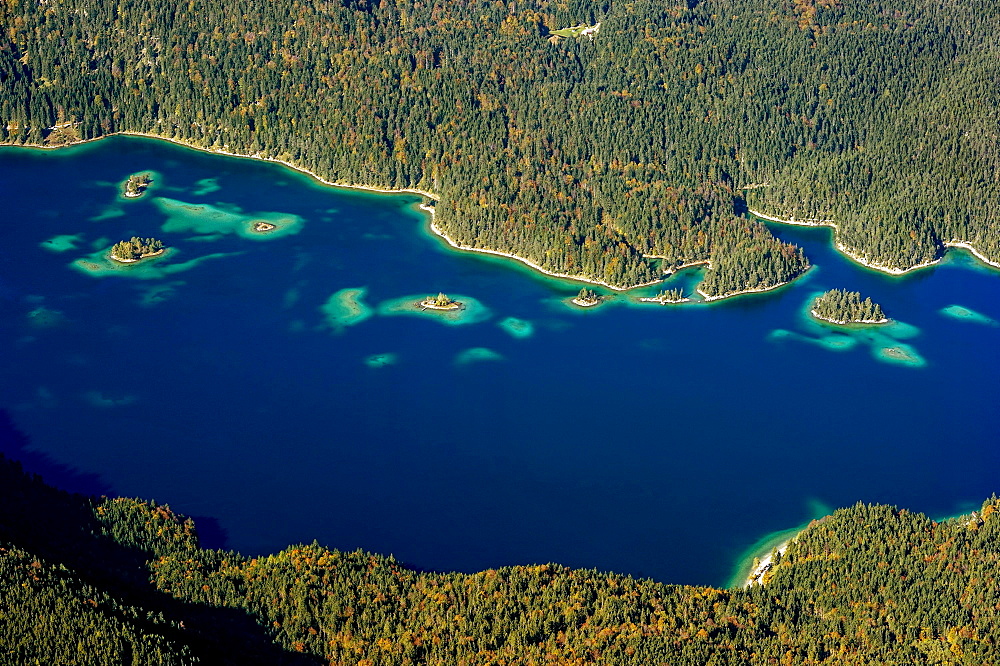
136, 249
440, 302
666, 297
842, 307
136, 185
587, 298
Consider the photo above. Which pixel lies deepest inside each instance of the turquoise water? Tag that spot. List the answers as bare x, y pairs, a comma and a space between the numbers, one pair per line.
281, 386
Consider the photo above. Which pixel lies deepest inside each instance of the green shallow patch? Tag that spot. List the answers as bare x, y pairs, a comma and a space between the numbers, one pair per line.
99, 264
109, 212
834, 342
962, 313
42, 317
214, 221
381, 360
477, 354
158, 293
206, 186
518, 328
104, 400
837, 342
899, 330
62, 243
346, 308
898, 353
470, 312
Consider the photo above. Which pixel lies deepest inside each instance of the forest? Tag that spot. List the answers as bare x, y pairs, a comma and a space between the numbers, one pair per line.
615, 156
111, 580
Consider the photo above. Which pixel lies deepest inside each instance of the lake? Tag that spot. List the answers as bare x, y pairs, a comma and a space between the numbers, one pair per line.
281, 388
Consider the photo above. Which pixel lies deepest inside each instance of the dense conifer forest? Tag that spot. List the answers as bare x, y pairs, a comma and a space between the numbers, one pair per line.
614, 156
101, 580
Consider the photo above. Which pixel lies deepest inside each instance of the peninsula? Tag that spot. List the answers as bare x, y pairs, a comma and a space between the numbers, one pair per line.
843, 307
666, 297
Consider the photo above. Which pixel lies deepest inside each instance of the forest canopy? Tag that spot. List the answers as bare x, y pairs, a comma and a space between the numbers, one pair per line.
614, 156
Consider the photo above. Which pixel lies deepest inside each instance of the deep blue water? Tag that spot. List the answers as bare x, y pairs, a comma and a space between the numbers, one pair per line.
656, 441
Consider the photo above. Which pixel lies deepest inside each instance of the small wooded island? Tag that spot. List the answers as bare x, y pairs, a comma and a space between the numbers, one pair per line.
136, 185
666, 297
261, 227
440, 302
136, 249
587, 298
839, 306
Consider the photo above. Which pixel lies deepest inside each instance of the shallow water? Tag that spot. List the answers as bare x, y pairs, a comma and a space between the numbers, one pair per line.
278, 384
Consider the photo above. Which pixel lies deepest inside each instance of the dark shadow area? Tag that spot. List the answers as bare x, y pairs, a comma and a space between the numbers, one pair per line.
14, 445
740, 207
211, 533
62, 528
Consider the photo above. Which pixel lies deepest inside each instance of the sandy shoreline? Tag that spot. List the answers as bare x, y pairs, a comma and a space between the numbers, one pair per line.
847, 323
864, 261
148, 255
757, 574
755, 290
527, 262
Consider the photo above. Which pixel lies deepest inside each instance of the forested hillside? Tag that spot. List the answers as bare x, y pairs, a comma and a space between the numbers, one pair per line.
614, 157
88, 580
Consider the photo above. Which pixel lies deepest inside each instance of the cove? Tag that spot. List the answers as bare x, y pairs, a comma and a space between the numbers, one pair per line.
277, 385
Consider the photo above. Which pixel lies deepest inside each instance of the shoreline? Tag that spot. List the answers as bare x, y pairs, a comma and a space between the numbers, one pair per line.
864, 261
755, 290
436, 230
884, 320
424, 206
217, 151
756, 575
430, 305
141, 257
662, 301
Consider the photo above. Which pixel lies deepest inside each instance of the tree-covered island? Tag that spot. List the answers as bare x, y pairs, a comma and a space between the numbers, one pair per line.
587, 298
666, 297
136, 185
440, 302
839, 306
136, 249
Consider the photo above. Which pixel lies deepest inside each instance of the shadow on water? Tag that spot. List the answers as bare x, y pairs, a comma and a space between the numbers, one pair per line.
61, 527
14, 445
211, 533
